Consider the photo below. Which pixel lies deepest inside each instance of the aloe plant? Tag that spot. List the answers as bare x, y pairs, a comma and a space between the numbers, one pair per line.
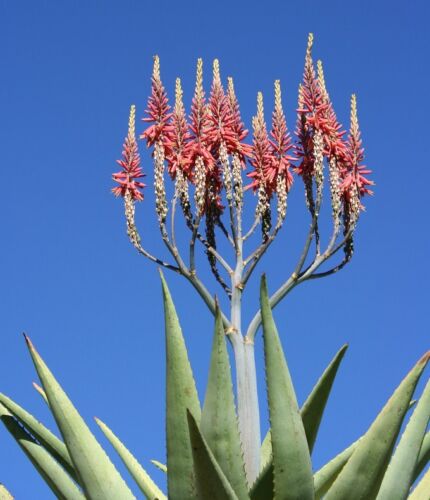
204, 449
214, 450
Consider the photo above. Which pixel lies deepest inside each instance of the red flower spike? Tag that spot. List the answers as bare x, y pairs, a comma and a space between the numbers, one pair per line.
158, 110
198, 144
261, 158
130, 164
240, 132
177, 139
311, 115
280, 144
334, 143
354, 173
220, 116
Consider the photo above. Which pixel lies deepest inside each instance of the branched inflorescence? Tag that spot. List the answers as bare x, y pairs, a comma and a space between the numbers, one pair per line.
206, 152
205, 155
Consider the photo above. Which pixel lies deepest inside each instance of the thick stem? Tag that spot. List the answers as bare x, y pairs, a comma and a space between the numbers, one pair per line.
246, 380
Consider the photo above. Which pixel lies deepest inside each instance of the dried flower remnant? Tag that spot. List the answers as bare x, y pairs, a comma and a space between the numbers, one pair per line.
130, 164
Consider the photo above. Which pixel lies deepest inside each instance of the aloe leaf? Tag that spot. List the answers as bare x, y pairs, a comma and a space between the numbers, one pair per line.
44, 436
181, 395
4, 494
422, 489
98, 476
211, 482
159, 465
362, 475
50, 470
142, 478
325, 477
313, 408
423, 457
292, 468
219, 421
262, 489
399, 475
41, 392
266, 450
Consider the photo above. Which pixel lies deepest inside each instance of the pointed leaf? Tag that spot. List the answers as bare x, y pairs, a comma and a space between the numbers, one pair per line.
44, 436
181, 394
50, 470
423, 457
313, 408
266, 450
362, 475
262, 489
399, 476
98, 476
41, 392
293, 478
159, 465
326, 476
210, 480
422, 489
219, 421
139, 474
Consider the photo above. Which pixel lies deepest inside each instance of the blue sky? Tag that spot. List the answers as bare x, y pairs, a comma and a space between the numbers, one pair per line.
92, 306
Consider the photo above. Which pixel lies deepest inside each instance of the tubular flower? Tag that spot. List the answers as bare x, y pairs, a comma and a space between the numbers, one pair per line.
240, 132
355, 184
178, 137
261, 158
157, 111
130, 164
281, 144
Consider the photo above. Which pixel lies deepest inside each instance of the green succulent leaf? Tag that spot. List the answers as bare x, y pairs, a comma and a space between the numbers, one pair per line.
313, 408
142, 478
98, 476
44, 436
51, 471
423, 457
262, 489
362, 475
292, 468
159, 465
219, 421
325, 477
422, 489
181, 395
399, 476
211, 482
4, 494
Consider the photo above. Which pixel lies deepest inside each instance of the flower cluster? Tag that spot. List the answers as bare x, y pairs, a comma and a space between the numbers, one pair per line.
207, 148
130, 164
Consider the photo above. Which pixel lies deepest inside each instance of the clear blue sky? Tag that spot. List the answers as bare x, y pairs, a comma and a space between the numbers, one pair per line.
92, 306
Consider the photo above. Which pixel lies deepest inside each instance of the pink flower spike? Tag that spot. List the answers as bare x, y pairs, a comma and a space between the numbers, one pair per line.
130, 164
158, 109
354, 173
